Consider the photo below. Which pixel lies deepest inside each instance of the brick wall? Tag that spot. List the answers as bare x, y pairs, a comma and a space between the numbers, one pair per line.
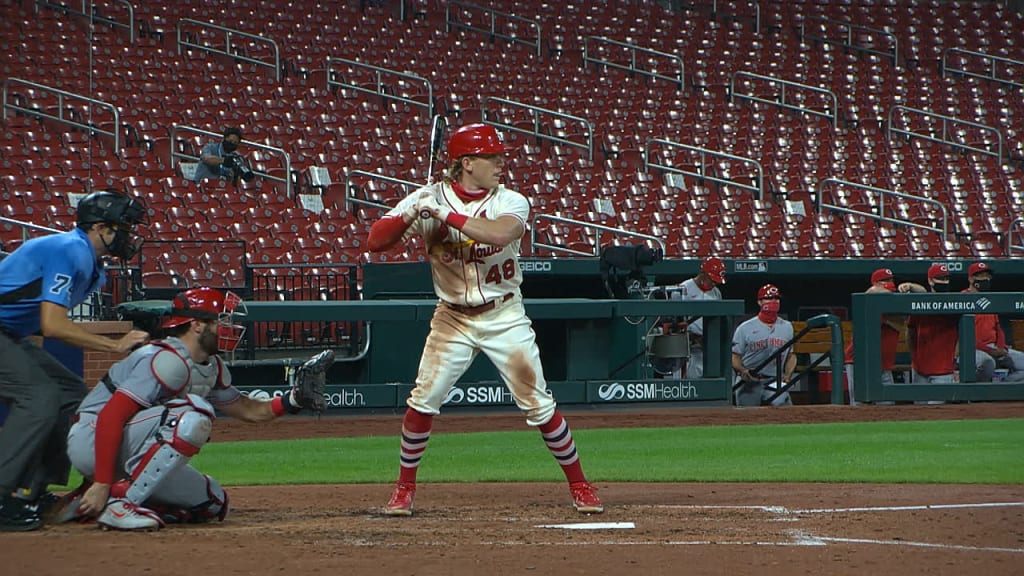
96, 363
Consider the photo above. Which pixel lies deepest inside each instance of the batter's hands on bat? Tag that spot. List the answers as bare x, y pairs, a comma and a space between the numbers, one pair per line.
429, 208
412, 212
94, 500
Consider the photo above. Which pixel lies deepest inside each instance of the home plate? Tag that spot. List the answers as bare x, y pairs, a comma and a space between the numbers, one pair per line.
591, 526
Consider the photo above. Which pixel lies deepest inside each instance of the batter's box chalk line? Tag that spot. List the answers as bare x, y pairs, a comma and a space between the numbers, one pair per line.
591, 526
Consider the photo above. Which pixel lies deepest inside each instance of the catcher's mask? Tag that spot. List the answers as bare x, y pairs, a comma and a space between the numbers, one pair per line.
210, 304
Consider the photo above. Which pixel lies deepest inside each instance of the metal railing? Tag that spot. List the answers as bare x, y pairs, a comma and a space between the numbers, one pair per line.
848, 41
882, 195
309, 282
1016, 226
94, 16
364, 202
379, 73
702, 165
285, 157
492, 30
633, 49
61, 111
781, 100
536, 113
945, 137
992, 61
27, 227
228, 49
535, 244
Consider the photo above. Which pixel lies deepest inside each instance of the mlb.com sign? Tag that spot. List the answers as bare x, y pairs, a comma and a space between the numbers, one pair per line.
647, 391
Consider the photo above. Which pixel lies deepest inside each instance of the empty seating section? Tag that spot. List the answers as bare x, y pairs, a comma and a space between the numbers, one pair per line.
154, 88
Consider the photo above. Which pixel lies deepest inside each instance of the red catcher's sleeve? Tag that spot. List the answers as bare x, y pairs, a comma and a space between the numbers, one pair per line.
385, 233
110, 424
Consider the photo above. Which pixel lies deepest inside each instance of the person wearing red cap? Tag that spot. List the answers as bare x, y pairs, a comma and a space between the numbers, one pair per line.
933, 339
472, 227
136, 431
703, 286
892, 327
989, 337
754, 343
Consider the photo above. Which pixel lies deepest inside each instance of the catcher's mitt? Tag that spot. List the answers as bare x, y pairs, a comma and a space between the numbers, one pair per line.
310, 382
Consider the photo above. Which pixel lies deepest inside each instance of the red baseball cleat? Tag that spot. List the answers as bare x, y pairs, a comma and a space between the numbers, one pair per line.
401, 500
584, 498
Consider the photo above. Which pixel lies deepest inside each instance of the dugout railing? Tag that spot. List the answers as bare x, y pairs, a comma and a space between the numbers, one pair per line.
868, 310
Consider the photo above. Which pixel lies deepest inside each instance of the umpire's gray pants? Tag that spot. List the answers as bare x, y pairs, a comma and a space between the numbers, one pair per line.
43, 395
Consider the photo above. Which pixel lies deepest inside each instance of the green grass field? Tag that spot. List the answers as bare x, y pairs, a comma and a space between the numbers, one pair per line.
950, 451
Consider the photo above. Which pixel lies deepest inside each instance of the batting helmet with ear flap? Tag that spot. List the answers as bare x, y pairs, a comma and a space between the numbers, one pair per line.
714, 268
769, 291
474, 140
209, 304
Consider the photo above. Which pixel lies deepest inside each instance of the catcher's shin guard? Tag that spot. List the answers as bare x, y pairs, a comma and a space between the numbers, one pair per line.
188, 435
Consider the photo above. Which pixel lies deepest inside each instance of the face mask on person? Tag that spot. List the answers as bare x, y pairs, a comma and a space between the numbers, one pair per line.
940, 286
229, 146
982, 284
890, 286
770, 310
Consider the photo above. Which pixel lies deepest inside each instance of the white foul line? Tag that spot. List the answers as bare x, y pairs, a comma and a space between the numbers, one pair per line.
921, 544
904, 508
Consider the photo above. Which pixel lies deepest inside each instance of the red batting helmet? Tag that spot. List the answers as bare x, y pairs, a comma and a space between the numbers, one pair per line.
714, 268
769, 291
209, 304
474, 140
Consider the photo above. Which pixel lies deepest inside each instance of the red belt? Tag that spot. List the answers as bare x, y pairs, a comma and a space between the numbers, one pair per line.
474, 310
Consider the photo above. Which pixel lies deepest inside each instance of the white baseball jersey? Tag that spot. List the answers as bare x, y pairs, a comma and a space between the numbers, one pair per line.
689, 290
465, 272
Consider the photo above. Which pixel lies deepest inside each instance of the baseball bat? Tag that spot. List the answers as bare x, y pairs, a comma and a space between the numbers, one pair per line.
436, 135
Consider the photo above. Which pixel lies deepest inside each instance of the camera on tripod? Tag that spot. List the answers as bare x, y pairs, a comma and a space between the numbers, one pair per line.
622, 268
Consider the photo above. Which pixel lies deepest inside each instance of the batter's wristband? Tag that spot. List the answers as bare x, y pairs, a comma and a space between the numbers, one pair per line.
456, 220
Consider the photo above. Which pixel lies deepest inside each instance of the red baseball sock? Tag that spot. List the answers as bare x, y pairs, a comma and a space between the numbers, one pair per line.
558, 437
415, 433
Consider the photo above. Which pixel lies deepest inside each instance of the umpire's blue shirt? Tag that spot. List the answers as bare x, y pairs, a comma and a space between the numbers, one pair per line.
66, 266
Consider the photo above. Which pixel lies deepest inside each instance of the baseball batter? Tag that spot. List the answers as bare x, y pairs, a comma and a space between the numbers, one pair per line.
703, 286
754, 342
136, 431
472, 227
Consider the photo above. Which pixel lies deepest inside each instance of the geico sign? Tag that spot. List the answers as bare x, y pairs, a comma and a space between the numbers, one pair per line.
647, 391
479, 395
535, 266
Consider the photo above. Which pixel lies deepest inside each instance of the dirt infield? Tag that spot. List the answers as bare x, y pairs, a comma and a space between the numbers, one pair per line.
504, 529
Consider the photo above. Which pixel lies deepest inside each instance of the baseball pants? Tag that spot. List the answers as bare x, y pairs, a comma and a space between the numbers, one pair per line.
505, 334
183, 488
758, 393
1013, 361
42, 395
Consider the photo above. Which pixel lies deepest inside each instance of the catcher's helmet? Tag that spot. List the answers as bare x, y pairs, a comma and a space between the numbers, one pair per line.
714, 268
209, 304
474, 140
769, 291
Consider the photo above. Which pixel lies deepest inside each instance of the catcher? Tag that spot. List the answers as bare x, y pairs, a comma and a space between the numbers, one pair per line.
135, 432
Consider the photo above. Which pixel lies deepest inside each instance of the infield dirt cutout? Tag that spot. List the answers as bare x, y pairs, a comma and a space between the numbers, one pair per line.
497, 529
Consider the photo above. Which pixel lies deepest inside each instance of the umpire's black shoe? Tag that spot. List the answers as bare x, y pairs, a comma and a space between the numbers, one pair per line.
17, 515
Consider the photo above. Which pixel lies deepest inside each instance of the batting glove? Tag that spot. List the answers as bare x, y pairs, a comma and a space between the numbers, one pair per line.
429, 208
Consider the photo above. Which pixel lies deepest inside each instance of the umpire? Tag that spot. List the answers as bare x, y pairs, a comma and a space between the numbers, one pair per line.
39, 283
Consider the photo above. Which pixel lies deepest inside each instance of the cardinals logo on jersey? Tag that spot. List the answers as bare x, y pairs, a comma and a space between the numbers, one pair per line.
468, 251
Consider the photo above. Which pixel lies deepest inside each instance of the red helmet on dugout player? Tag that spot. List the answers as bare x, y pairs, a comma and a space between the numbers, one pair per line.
714, 268
209, 304
474, 140
769, 291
